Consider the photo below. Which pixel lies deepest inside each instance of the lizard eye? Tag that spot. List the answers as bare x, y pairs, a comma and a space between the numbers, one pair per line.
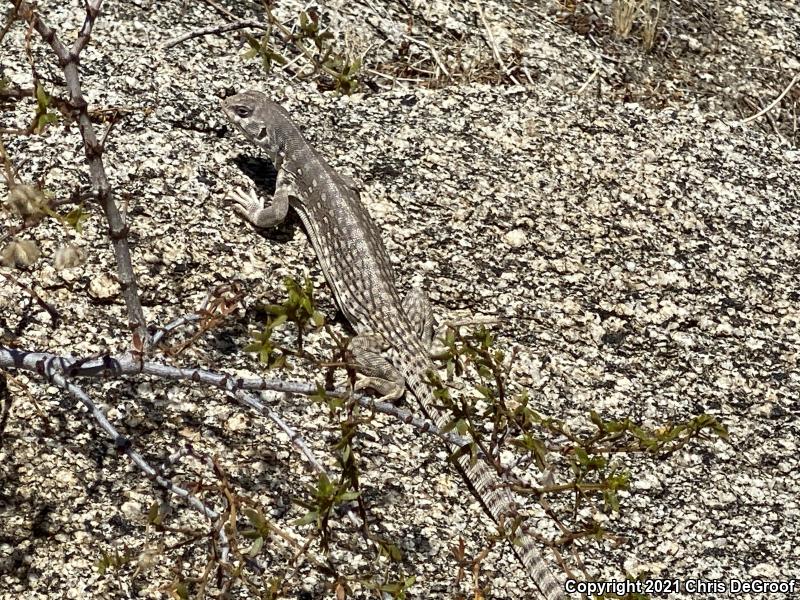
242, 111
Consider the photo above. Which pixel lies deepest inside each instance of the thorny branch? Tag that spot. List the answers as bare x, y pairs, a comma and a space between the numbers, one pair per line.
213, 29
68, 60
125, 364
122, 444
61, 369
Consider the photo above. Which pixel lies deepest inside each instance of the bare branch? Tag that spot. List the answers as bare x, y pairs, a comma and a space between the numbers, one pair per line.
295, 438
118, 228
12, 15
173, 325
772, 104
121, 443
213, 29
126, 364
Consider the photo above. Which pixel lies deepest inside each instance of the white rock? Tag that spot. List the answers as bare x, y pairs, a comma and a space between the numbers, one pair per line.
516, 238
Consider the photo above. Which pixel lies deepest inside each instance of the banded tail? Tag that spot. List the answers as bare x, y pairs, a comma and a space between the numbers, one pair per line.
490, 491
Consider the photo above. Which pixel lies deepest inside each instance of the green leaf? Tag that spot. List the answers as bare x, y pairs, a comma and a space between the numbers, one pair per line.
153, 515
102, 564
311, 516
354, 68
393, 552
43, 121
253, 43
181, 590
255, 549
324, 487
449, 426
274, 309
611, 500
42, 99
255, 518
76, 218
484, 391
279, 320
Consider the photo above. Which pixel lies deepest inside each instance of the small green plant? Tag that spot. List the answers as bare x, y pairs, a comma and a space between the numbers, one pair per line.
309, 30
298, 308
114, 560
76, 218
259, 531
269, 353
347, 462
324, 498
178, 590
474, 350
43, 116
313, 43
262, 49
595, 476
396, 589
334, 403
344, 74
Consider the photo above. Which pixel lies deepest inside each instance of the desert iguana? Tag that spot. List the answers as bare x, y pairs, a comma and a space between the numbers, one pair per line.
391, 345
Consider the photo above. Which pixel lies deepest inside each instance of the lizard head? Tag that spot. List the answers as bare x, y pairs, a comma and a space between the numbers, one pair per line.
253, 113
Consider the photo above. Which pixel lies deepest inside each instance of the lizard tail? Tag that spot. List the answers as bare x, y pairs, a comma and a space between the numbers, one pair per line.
488, 488
498, 501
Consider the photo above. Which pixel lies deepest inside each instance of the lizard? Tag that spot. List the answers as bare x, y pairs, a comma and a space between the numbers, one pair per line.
393, 335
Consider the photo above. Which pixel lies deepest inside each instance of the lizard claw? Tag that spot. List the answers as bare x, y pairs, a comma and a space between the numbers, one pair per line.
247, 203
257, 211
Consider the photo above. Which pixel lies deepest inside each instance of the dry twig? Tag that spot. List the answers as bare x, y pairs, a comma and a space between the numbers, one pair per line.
213, 29
772, 104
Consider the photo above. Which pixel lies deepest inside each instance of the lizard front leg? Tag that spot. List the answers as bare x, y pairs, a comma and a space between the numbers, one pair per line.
254, 209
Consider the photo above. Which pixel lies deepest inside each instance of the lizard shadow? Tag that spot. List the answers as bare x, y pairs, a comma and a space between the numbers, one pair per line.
264, 176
